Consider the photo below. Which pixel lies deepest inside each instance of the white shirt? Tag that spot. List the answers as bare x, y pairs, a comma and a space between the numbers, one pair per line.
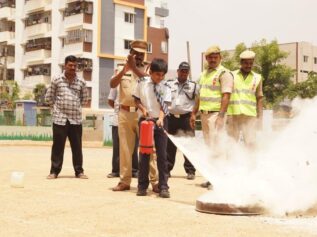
145, 92
114, 95
183, 96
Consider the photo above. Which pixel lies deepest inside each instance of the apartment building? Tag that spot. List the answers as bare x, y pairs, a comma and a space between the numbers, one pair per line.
124, 21
36, 36
302, 58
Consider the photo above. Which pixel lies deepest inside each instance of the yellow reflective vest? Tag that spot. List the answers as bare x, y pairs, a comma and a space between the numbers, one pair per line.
210, 89
243, 97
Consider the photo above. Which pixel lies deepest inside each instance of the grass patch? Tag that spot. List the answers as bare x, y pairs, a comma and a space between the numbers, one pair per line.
107, 143
44, 137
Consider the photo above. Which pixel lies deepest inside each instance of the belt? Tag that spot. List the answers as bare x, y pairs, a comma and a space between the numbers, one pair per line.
128, 108
208, 112
181, 115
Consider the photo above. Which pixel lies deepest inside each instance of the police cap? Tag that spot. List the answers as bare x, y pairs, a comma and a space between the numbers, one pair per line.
247, 54
212, 49
184, 65
139, 46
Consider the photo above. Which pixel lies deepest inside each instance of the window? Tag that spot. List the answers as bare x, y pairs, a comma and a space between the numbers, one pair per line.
129, 17
164, 48
149, 47
305, 59
77, 36
127, 44
315, 60
149, 21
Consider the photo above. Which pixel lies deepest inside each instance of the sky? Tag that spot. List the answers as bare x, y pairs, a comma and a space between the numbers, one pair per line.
230, 22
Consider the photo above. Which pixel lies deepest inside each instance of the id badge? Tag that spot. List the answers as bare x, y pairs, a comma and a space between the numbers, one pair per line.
177, 101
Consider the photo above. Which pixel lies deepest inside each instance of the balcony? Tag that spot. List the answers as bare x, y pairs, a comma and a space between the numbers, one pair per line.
78, 13
77, 20
37, 56
10, 75
7, 12
62, 4
79, 49
7, 36
37, 5
10, 60
31, 81
37, 29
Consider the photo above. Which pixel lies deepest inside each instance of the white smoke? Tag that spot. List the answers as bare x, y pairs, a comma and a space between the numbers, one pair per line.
281, 176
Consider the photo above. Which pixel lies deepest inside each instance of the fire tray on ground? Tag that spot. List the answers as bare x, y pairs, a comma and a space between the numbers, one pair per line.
228, 208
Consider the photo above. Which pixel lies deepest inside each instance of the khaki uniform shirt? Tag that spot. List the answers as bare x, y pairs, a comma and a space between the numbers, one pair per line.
127, 87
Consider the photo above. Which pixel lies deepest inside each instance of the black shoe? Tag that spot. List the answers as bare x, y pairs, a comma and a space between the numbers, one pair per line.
135, 175
141, 192
206, 185
164, 193
113, 175
190, 176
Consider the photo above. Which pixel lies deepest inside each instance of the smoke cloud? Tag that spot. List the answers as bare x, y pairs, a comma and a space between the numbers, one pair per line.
281, 176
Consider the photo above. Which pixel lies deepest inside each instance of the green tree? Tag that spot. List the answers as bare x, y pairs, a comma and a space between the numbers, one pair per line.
276, 76
39, 93
10, 93
28, 96
305, 89
231, 61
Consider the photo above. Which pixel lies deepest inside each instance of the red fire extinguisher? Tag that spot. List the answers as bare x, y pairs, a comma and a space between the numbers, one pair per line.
146, 137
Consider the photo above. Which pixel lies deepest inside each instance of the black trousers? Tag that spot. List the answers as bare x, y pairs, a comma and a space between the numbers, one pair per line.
160, 140
116, 152
174, 126
60, 134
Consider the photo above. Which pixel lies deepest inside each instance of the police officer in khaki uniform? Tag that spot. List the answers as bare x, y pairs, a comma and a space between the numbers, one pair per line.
216, 85
245, 108
127, 78
184, 92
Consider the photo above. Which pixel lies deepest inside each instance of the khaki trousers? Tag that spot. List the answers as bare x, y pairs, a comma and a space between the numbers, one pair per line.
244, 124
128, 129
214, 138
208, 122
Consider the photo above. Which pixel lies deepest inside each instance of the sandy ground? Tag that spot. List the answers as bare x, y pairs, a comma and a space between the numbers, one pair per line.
72, 207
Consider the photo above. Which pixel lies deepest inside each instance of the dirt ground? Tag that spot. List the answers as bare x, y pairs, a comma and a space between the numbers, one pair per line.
72, 207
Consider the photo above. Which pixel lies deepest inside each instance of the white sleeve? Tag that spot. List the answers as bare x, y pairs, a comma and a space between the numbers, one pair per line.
112, 94
167, 94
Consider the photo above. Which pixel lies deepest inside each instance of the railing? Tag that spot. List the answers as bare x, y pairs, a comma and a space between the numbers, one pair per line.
37, 29
37, 55
33, 5
7, 4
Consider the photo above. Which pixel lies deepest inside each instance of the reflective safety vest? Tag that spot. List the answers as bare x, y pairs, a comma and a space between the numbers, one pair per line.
243, 97
210, 89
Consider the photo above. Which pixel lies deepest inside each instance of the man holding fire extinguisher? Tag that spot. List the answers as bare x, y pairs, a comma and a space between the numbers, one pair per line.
151, 97
126, 79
